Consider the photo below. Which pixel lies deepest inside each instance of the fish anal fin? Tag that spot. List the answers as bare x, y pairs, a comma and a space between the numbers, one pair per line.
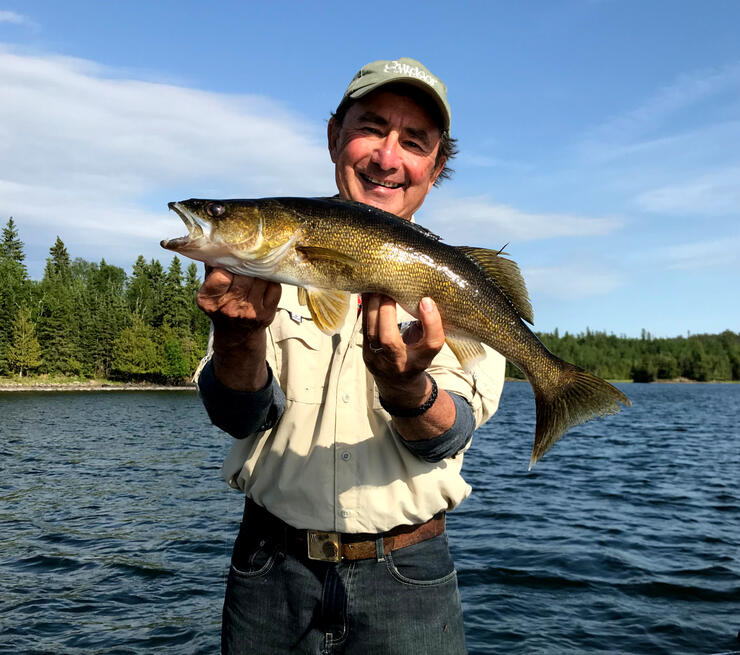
328, 308
468, 351
302, 296
506, 274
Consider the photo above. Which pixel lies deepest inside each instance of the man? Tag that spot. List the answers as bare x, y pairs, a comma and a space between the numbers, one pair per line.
348, 448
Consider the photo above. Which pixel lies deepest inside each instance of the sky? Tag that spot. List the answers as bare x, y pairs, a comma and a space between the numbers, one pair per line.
599, 139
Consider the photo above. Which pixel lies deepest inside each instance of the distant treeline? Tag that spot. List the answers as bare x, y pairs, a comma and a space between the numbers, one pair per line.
700, 357
92, 320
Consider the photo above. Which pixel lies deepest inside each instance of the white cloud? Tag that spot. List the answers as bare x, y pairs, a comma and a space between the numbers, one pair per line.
714, 254
687, 91
473, 219
12, 17
713, 194
645, 125
83, 153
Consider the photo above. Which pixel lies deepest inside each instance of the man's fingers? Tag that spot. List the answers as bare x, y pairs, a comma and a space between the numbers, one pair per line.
370, 303
272, 296
216, 284
387, 321
431, 323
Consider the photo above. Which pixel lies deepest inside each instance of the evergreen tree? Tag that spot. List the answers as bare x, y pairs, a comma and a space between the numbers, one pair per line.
175, 304
200, 324
12, 247
15, 287
58, 265
105, 316
156, 277
59, 317
24, 353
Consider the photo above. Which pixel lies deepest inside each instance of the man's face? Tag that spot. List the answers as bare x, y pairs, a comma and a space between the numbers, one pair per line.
385, 153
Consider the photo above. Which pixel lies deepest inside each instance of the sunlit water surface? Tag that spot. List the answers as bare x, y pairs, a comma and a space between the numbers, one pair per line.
116, 527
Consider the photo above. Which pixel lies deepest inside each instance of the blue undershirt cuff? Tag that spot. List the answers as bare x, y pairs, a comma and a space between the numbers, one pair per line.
241, 413
449, 443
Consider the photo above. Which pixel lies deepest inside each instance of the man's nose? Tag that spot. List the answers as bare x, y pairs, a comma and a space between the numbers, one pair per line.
387, 153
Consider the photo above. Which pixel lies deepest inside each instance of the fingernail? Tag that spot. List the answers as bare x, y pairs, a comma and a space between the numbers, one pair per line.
427, 304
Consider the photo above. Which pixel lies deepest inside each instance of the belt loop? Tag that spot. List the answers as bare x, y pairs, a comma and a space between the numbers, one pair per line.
379, 553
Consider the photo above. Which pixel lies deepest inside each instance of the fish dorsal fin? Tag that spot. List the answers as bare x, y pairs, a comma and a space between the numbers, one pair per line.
302, 296
506, 274
468, 351
328, 308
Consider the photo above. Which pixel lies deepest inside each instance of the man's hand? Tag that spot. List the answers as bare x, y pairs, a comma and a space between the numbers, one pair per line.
398, 362
240, 308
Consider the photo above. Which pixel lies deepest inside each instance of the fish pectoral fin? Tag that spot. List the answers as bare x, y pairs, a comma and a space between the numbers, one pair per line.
328, 308
506, 274
468, 351
302, 296
319, 254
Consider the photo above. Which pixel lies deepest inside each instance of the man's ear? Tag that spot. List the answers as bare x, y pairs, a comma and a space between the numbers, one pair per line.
332, 135
437, 170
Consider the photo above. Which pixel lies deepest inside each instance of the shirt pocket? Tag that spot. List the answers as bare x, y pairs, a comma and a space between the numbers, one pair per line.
303, 354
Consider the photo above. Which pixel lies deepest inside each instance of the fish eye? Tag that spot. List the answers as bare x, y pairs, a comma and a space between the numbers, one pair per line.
215, 209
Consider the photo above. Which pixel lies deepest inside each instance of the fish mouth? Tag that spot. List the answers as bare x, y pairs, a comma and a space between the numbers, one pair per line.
194, 224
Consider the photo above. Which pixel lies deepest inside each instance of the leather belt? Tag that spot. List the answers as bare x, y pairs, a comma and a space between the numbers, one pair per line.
336, 546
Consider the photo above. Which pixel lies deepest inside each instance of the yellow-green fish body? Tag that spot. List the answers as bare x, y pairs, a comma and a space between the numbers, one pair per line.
332, 248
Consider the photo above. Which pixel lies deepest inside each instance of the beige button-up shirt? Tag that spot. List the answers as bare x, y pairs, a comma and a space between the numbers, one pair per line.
334, 462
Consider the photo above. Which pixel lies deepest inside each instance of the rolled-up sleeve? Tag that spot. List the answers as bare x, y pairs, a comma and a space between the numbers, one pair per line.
240, 413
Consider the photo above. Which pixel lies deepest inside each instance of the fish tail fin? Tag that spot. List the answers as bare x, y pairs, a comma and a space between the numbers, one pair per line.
576, 397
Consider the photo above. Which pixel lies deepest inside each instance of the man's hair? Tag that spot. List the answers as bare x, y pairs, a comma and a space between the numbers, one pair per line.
447, 145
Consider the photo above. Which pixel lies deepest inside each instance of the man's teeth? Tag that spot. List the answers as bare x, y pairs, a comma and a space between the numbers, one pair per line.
387, 185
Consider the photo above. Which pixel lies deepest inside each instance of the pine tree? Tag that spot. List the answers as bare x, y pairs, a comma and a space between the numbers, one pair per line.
59, 319
24, 353
15, 287
175, 305
58, 265
11, 246
200, 324
104, 317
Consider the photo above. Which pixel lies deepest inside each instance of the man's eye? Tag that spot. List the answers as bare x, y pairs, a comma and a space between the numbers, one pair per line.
371, 130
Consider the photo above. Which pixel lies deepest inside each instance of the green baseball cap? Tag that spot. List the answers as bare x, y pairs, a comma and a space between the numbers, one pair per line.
403, 71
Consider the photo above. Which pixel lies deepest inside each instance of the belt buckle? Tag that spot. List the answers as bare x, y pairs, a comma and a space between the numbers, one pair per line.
324, 546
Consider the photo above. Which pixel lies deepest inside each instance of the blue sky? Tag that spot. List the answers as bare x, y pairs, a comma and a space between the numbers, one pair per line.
600, 139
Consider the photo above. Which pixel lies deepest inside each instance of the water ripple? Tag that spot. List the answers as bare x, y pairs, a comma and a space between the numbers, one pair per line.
117, 527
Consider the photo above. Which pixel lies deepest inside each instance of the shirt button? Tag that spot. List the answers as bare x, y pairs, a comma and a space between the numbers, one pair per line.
346, 513
346, 456
345, 397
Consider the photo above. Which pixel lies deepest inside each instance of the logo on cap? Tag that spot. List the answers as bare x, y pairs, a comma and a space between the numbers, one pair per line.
397, 68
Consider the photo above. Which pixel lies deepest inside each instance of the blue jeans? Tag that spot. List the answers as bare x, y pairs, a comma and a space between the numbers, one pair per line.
278, 601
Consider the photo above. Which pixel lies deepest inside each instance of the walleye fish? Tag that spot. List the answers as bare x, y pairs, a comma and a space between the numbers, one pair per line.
331, 248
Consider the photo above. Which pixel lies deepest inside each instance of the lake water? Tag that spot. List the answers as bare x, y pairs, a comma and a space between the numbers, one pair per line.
116, 528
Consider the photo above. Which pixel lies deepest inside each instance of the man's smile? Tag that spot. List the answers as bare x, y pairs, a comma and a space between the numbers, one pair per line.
383, 183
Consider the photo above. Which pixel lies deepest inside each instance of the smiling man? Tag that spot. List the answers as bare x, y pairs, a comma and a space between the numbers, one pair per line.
349, 447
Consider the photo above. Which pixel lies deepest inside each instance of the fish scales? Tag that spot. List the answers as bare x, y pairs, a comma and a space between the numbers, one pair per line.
331, 248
